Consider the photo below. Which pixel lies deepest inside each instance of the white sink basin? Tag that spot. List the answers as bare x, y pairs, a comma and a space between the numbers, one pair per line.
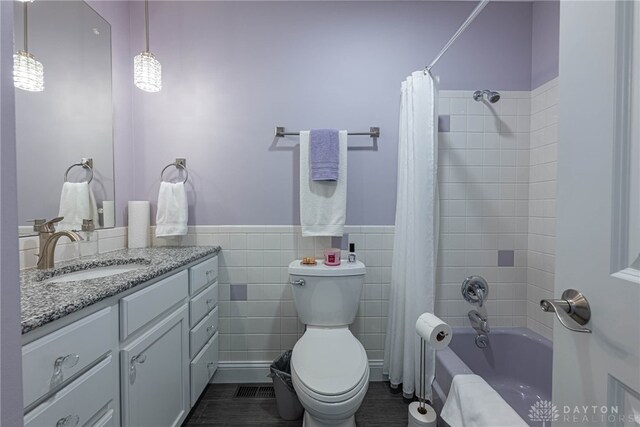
94, 273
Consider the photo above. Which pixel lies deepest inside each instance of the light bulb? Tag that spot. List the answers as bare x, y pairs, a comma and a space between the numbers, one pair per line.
28, 73
147, 72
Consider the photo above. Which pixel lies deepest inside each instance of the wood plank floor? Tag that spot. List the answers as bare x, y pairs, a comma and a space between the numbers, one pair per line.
217, 407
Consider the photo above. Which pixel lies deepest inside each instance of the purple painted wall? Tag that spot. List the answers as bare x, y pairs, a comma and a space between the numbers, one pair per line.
545, 41
10, 334
117, 13
232, 71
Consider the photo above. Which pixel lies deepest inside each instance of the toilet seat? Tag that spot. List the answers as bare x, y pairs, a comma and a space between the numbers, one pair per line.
329, 365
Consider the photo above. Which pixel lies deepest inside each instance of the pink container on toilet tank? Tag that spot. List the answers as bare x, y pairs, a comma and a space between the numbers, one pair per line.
332, 257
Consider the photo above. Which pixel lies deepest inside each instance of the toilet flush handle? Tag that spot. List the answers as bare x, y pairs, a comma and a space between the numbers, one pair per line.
297, 282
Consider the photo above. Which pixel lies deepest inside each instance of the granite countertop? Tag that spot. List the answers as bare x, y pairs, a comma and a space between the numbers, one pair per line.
44, 300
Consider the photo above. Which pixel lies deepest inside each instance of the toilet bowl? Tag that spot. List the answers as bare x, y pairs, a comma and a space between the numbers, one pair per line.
329, 366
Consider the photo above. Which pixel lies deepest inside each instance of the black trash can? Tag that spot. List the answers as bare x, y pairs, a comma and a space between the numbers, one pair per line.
289, 407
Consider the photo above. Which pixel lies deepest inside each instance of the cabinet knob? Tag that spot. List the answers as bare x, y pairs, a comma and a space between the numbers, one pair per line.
211, 365
68, 361
68, 421
209, 302
209, 329
139, 359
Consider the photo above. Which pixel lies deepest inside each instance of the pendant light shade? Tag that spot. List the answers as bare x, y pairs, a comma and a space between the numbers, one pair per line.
28, 73
147, 71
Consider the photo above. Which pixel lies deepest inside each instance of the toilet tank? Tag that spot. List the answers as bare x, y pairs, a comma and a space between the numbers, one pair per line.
328, 295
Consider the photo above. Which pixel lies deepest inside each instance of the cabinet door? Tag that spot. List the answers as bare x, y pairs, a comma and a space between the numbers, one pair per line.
155, 374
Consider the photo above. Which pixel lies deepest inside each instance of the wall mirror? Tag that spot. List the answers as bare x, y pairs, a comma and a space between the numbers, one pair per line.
71, 119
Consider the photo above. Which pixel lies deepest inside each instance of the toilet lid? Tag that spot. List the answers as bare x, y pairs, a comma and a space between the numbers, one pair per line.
329, 361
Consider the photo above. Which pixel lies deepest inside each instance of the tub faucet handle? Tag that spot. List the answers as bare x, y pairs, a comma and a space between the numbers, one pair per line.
475, 290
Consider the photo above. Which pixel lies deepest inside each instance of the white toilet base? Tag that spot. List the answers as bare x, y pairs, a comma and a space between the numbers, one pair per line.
309, 421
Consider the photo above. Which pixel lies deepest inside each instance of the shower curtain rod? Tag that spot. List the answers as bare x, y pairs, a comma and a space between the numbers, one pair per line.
463, 27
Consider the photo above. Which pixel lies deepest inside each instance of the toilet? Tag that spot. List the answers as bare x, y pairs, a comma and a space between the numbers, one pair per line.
329, 366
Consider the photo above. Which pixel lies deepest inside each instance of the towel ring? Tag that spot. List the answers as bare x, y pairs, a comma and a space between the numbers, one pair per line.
178, 165
85, 164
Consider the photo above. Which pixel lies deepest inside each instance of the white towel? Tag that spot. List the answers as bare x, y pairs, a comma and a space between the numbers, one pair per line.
173, 210
323, 204
474, 403
77, 202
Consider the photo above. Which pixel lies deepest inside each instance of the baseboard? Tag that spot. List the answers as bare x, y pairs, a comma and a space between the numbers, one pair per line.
258, 372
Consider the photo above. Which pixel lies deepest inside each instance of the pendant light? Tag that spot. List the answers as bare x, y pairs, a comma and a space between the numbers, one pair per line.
147, 71
28, 73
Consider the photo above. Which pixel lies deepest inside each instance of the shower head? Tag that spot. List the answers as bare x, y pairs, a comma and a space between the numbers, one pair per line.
492, 95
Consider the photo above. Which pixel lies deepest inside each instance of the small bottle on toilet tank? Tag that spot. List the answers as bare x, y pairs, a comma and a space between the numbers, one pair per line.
352, 253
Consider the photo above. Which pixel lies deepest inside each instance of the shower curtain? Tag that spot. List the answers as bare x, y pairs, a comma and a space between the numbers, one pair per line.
415, 242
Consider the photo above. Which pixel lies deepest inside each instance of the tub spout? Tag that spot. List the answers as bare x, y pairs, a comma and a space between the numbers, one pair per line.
479, 322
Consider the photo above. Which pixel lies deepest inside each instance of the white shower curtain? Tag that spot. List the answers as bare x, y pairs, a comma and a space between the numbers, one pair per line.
416, 234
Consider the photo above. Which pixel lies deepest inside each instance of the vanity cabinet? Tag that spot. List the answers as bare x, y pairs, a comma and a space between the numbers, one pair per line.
143, 360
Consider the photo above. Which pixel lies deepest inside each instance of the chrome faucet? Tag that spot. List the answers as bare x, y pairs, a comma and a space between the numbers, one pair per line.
48, 241
475, 290
479, 322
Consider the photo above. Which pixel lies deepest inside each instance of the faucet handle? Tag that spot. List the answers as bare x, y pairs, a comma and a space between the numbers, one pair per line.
37, 223
475, 290
49, 226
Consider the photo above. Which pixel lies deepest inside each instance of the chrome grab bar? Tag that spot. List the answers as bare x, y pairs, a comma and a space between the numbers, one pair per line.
299, 282
572, 310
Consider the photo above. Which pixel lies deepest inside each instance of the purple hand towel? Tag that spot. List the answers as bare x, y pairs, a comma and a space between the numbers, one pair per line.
324, 154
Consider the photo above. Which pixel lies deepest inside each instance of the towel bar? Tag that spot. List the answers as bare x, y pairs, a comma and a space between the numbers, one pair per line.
374, 132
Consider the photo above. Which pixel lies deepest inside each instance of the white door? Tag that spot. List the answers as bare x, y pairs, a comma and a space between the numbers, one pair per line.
596, 376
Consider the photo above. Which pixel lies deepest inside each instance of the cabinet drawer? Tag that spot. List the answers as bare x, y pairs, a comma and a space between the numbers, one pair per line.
73, 347
78, 402
202, 274
140, 308
202, 304
203, 367
203, 332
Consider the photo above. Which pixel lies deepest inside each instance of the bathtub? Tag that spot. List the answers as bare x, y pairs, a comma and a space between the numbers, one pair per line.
517, 364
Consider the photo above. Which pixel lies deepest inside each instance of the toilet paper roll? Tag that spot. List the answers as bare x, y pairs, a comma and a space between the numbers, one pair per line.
416, 419
139, 224
434, 331
108, 214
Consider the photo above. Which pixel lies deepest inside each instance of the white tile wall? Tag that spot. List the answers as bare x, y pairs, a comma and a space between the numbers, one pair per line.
484, 197
260, 328
108, 240
542, 205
